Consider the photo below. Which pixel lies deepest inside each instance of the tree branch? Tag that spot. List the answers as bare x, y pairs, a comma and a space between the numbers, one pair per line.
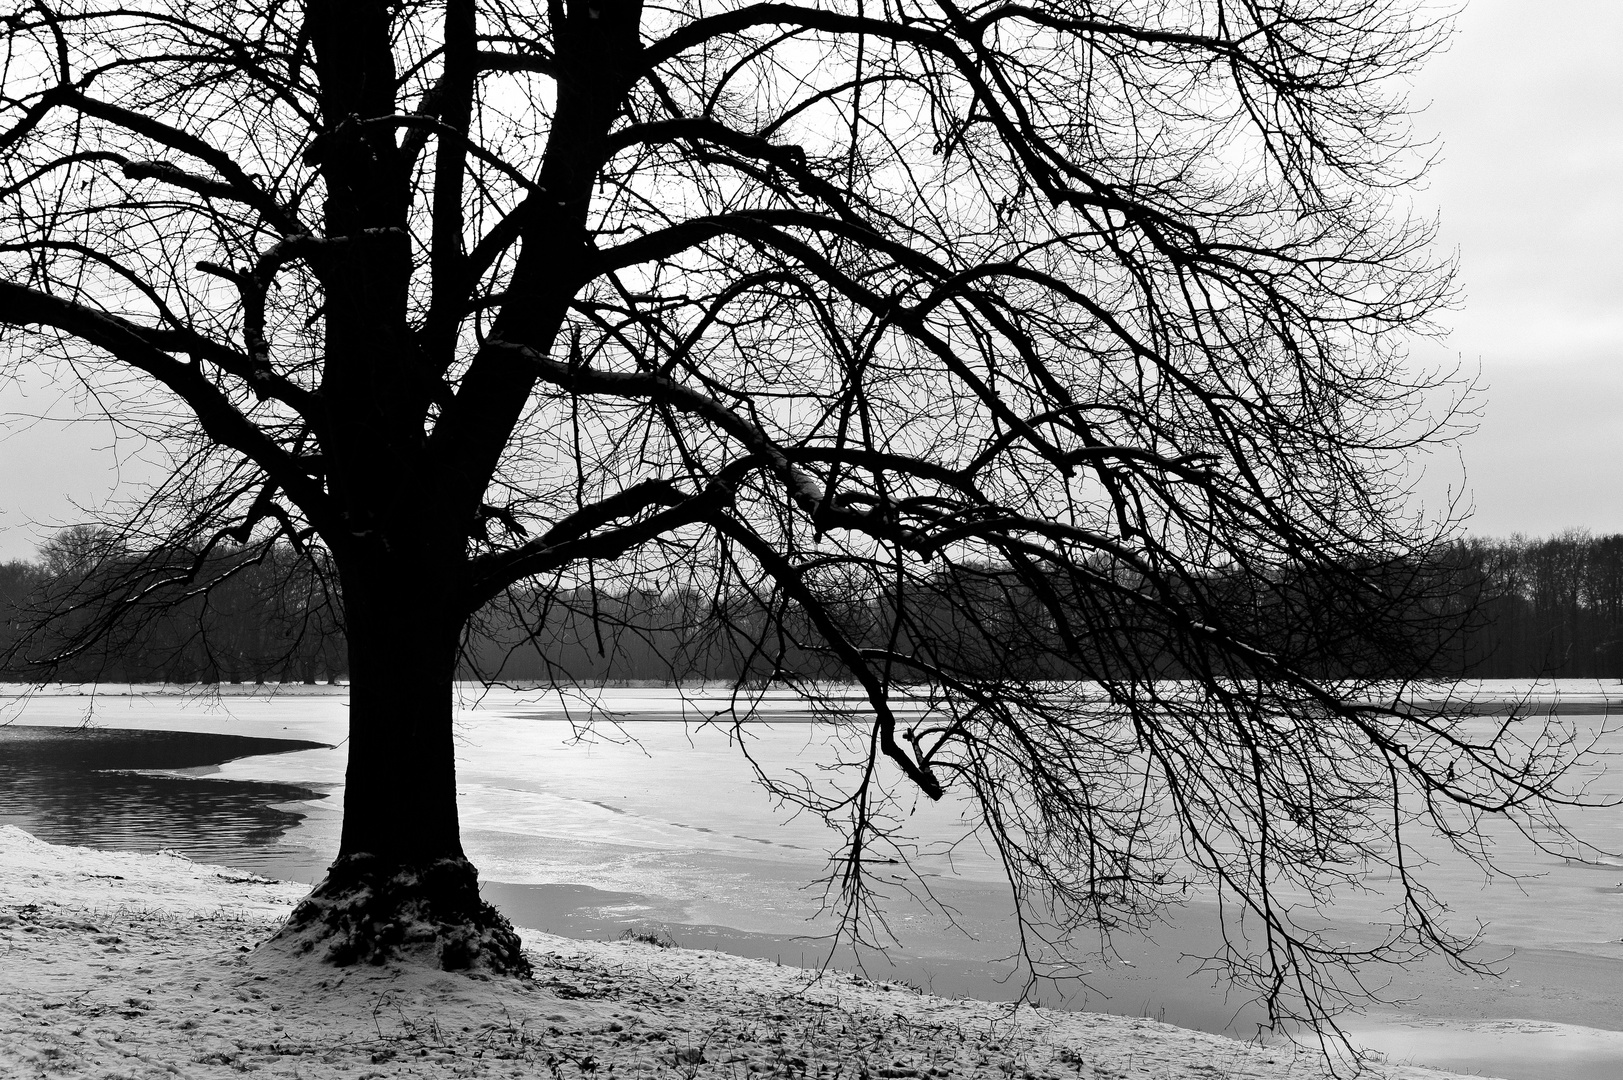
575, 538
135, 346
793, 582
238, 183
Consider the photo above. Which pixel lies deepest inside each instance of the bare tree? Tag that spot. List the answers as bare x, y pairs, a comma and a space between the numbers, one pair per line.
1038, 363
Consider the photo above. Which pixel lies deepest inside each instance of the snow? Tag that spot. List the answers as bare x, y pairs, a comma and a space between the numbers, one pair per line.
126, 965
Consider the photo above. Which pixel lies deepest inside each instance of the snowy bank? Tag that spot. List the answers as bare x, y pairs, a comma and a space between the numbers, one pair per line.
126, 965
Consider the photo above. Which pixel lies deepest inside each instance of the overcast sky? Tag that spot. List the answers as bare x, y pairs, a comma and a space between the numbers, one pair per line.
1528, 102
1528, 106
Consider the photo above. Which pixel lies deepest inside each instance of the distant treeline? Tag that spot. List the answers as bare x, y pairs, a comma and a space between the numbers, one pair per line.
1485, 608
1544, 608
1516, 608
92, 608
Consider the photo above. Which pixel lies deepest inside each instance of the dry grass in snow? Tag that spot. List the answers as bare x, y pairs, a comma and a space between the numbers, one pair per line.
135, 966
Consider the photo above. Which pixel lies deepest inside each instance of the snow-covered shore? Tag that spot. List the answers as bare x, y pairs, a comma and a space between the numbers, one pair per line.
115, 964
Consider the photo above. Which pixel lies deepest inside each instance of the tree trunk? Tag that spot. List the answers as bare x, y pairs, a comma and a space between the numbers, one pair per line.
401, 886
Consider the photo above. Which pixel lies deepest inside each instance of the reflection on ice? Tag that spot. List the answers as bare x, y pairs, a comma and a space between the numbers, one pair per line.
1511, 1049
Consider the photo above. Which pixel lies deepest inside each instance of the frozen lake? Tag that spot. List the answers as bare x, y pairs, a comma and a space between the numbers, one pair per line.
659, 820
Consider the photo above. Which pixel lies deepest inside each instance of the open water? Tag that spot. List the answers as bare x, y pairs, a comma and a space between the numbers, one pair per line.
145, 791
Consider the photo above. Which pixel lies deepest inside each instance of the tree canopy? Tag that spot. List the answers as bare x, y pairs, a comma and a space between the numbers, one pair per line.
1072, 329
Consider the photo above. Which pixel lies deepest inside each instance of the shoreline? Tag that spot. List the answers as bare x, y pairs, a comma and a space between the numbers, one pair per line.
1440, 1015
147, 965
1551, 1014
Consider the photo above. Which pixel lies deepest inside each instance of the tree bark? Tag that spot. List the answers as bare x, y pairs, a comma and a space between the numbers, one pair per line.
400, 787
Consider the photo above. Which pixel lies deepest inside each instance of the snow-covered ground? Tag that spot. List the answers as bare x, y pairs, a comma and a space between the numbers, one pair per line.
115, 964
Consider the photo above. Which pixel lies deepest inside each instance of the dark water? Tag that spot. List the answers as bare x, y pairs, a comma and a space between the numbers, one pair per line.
89, 787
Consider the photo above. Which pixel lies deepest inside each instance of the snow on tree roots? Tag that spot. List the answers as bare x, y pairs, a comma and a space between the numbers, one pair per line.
367, 911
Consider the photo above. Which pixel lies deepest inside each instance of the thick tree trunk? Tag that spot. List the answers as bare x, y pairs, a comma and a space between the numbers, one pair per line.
401, 887
400, 798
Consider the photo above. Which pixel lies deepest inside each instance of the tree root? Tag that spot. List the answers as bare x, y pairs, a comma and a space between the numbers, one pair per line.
368, 911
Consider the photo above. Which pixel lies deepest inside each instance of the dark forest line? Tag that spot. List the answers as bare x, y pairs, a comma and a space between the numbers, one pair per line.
1490, 608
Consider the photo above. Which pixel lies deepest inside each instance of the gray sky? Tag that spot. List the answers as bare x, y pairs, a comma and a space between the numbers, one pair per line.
1528, 103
